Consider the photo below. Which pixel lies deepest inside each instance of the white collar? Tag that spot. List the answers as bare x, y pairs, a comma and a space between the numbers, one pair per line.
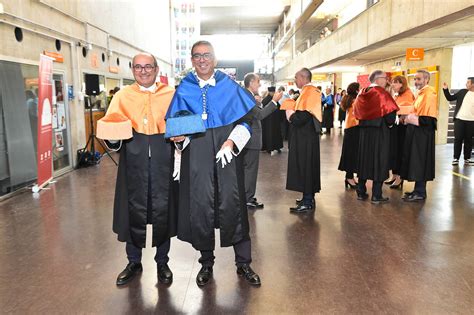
211, 81
151, 89
373, 84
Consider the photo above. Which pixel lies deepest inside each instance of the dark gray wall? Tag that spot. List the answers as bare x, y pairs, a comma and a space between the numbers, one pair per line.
243, 67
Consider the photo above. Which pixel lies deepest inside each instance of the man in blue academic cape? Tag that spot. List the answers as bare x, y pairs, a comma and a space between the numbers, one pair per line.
212, 188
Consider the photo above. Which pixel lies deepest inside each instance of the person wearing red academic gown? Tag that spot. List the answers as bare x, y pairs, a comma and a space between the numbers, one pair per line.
376, 111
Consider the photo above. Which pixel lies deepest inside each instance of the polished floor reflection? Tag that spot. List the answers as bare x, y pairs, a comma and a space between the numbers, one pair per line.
58, 254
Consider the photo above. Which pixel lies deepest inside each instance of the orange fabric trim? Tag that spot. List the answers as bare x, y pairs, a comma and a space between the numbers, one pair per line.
351, 121
405, 102
114, 130
288, 104
310, 100
426, 103
145, 110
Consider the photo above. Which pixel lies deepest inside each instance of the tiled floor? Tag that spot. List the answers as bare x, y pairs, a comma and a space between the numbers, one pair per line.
58, 254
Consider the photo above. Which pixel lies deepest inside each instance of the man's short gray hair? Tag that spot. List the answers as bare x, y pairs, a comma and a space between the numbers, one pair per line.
306, 73
425, 73
249, 77
375, 74
155, 62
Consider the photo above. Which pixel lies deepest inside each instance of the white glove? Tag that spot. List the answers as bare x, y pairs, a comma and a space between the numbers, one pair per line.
177, 165
289, 112
397, 120
224, 156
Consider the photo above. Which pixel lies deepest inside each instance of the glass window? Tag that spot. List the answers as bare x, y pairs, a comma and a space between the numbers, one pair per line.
18, 125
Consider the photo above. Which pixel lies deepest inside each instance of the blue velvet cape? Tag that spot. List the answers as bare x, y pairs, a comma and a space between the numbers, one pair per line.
227, 102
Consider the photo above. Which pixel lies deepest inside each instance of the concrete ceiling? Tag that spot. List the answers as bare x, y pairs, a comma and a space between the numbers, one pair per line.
241, 16
446, 35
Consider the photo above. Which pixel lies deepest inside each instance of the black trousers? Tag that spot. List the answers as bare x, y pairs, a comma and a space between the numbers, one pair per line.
134, 254
420, 188
251, 159
376, 188
463, 132
242, 250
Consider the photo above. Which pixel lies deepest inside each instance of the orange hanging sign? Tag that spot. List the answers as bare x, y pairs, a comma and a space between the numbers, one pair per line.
56, 56
94, 61
113, 69
415, 54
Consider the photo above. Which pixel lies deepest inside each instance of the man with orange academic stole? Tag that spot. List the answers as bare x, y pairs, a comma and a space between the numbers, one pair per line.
376, 111
304, 115
143, 193
419, 150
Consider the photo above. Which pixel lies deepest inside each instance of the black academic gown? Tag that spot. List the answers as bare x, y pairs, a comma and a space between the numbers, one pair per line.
141, 180
304, 174
212, 197
418, 163
374, 148
272, 138
350, 150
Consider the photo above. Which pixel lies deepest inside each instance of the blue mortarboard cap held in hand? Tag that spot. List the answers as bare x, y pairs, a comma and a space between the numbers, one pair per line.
184, 123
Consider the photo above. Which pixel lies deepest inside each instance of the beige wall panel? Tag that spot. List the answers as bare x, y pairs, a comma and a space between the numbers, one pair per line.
359, 31
379, 17
135, 22
343, 41
405, 15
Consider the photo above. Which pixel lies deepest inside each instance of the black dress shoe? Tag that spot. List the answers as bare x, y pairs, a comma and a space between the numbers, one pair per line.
255, 204
301, 208
258, 205
414, 198
299, 201
378, 200
164, 274
204, 275
362, 196
249, 275
129, 273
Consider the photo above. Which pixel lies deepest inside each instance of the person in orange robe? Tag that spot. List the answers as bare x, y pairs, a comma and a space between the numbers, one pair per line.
418, 163
376, 111
350, 143
404, 98
144, 190
304, 174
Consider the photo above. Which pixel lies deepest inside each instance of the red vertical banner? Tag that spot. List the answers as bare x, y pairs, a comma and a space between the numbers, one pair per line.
45, 121
163, 79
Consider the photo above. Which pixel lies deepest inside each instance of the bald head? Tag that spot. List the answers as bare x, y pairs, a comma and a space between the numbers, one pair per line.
303, 77
144, 54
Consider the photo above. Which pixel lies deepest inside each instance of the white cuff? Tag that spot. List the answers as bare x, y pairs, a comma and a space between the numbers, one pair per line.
240, 136
182, 146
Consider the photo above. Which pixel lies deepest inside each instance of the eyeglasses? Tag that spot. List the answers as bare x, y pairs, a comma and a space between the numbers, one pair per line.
205, 56
381, 78
147, 67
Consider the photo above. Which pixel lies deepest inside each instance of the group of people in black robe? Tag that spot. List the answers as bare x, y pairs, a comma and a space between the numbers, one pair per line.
385, 132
